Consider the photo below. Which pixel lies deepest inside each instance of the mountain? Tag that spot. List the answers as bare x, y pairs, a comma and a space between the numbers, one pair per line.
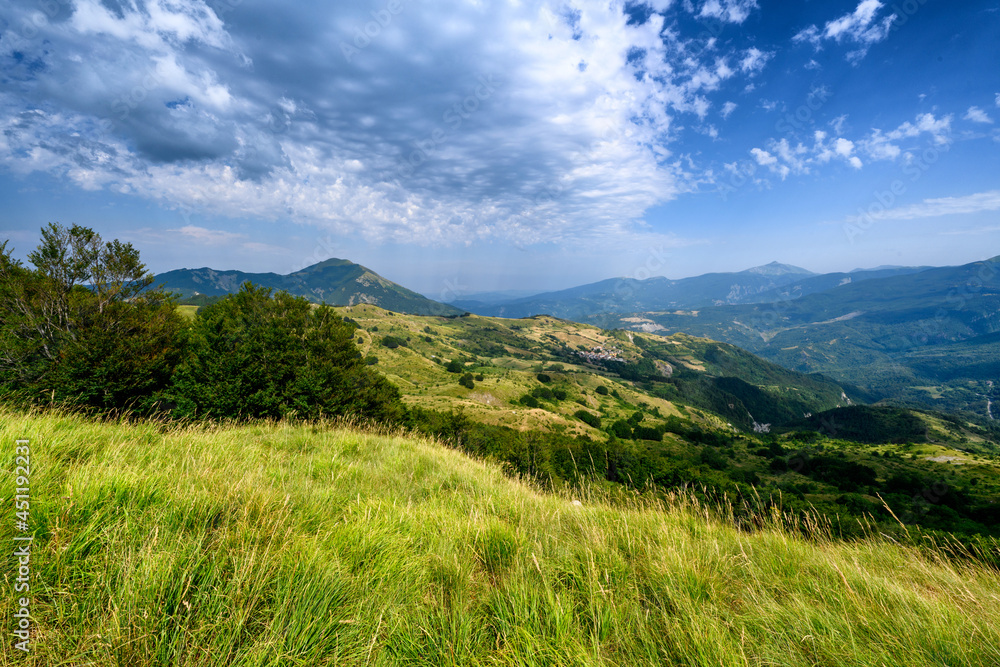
631, 295
927, 337
337, 282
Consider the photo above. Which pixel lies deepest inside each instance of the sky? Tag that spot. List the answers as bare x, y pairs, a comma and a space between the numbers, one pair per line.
459, 146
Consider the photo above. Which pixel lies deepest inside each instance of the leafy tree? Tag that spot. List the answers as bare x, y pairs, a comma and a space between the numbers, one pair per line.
455, 366
602, 390
544, 378
256, 355
467, 381
83, 328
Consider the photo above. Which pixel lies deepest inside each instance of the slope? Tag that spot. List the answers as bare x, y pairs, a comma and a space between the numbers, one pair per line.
272, 544
928, 329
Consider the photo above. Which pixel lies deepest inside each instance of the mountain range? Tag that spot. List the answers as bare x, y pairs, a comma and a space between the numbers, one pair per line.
921, 336
337, 282
762, 284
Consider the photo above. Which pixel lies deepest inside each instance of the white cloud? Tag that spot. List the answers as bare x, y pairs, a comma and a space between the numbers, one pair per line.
754, 60
782, 157
932, 208
207, 236
997, 100
977, 115
938, 128
733, 11
860, 27
728, 108
878, 147
165, 101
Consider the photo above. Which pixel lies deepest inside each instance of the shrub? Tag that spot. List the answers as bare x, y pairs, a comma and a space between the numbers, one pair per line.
455, 366
529, 401
602, 390
371, 360
647, 433
479, 378
392, 342
543, 393
543, 378
559, 394
466, 381
588, 418
621, 429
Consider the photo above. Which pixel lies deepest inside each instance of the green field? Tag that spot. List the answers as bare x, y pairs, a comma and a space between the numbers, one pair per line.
272, 544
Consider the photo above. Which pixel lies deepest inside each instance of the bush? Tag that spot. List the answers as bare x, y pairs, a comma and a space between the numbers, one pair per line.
252, 355
479, 378
371, 360
392, 342
466, 381
621, 429
588, 418
559, 394
543, 378
647, 433
543, 393
602, 390
529, 401
455, 366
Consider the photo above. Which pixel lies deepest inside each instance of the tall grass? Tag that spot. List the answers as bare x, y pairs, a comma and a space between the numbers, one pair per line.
274, 544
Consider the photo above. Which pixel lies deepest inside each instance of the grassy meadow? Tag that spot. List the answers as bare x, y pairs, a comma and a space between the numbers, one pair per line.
278, 544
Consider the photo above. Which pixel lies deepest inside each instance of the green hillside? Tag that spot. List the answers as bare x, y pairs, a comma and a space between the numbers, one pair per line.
335, 281
272, 544
927, 338
674, 412
721, 381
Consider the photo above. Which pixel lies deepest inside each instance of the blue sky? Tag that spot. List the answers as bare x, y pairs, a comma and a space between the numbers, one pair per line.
458, 146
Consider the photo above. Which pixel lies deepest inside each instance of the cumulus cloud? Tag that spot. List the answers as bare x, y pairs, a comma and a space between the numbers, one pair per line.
754, 60
784, 157
728, 108
927, 123
860, 28
732, 11
442, 123
977, 115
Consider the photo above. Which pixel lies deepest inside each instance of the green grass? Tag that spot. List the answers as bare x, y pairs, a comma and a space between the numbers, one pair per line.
274, 544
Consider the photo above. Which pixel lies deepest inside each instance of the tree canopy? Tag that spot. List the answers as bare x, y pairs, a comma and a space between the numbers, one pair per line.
252, 354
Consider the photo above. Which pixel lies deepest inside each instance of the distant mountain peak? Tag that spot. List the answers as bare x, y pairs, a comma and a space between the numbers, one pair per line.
779, 269
334, 281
